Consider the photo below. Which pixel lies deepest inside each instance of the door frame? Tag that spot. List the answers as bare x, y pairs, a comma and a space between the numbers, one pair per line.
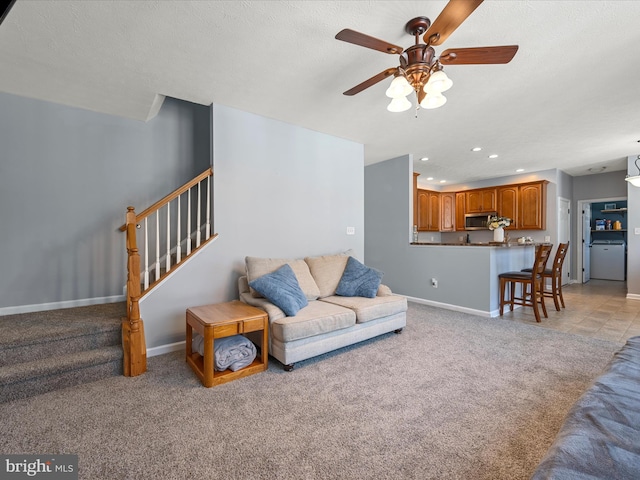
567, 266
579, 236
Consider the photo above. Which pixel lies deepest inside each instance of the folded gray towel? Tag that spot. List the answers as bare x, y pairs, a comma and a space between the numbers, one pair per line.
233, 352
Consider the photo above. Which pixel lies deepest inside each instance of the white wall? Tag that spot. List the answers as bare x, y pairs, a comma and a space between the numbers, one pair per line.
279, 191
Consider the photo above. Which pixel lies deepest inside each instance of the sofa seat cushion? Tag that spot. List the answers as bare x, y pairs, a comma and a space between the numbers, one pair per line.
314, 319
367, 309
257, 267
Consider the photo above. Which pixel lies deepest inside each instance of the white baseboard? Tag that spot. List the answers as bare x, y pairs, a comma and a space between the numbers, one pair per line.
59, 305
162, 349
633, 296
457, 308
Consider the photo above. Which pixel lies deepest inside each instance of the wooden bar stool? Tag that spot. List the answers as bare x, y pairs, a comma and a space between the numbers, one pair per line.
555, 275
531, 283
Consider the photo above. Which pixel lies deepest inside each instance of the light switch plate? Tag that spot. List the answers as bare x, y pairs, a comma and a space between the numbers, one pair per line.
636, 230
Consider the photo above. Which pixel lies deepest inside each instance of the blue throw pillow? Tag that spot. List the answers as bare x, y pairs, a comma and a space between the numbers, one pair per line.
358, 280
282, 289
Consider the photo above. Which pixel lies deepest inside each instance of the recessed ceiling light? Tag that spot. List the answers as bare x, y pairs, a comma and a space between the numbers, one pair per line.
429, 178
493, 155
476, 149
424, 159
443, 181
520, 170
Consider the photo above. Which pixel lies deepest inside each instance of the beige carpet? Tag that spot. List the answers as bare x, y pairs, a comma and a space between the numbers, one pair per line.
453, 397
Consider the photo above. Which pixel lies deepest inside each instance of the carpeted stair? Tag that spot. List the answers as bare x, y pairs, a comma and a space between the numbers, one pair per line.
50, 350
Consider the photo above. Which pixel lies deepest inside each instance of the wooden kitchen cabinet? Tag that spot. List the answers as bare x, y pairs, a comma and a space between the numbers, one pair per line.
447, 212
428, 211
415, 197
481, 201
533, 206
460, 210
508, 203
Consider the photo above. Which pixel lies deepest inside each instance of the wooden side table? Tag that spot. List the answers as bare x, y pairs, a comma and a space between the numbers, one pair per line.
223, 320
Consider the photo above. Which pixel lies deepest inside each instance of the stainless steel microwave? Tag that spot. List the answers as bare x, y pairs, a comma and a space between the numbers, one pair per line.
477, 221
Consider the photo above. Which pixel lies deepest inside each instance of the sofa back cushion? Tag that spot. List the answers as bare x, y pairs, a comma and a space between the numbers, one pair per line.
327, 271
257, 267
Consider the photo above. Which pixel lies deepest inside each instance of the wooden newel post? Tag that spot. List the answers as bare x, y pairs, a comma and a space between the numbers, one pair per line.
133, 342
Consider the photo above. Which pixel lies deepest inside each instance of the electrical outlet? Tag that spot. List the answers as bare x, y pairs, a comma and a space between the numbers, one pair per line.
636, 231
547, 238
434, 283
351, 230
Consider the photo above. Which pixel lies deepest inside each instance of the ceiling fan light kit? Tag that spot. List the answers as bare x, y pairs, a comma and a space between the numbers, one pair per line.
634, 180
400, 104
420, 70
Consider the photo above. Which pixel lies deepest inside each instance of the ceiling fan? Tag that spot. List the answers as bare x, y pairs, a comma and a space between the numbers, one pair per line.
420, 69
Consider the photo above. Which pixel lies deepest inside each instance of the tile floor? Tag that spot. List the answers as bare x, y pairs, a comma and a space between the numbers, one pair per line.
598, 308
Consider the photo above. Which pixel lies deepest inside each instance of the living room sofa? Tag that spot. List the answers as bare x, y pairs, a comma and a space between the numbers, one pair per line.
328, 321
600, 437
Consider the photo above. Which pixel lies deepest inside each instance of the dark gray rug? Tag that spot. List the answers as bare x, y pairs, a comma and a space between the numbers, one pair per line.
454, 396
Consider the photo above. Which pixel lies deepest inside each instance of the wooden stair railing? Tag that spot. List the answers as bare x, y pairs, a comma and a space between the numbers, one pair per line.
165, 259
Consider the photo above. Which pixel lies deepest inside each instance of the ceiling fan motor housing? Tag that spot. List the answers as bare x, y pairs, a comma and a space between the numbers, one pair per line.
417, 61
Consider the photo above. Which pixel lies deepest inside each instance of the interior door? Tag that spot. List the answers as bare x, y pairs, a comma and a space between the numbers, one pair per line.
586, 242
564, 229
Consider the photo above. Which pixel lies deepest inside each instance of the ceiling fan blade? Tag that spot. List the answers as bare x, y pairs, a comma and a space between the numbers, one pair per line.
449, 19
372, 81
363, 40
478, 55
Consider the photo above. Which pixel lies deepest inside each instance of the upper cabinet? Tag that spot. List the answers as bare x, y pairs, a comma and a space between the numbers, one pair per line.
524, 203
481, 201
533, 206
428, 211
460, 210
447, 212
508, 203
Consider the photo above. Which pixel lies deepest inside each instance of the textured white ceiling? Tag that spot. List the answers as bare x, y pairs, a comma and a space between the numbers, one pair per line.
569, 99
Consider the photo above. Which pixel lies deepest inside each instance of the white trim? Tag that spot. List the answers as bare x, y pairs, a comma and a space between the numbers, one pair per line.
457, 308
168, 348
633, 296
83, 302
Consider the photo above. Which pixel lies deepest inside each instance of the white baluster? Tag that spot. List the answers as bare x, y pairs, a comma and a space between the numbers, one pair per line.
146, 254
178, 248
189, 223
157, 244
168, 255
208, 230
198, 222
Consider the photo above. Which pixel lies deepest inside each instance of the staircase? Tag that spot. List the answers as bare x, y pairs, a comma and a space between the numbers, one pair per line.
45, 351
49, 350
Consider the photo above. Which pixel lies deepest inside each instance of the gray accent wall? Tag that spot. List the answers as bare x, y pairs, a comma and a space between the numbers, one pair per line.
279, 191
66, 178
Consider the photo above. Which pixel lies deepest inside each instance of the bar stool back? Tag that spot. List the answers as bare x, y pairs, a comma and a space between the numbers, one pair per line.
531, 284
555, 275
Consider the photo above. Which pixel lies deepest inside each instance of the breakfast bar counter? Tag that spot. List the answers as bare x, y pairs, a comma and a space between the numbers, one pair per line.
462, 276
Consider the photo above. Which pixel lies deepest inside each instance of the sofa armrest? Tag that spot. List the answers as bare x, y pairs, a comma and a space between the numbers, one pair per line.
274, 312
383, 291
